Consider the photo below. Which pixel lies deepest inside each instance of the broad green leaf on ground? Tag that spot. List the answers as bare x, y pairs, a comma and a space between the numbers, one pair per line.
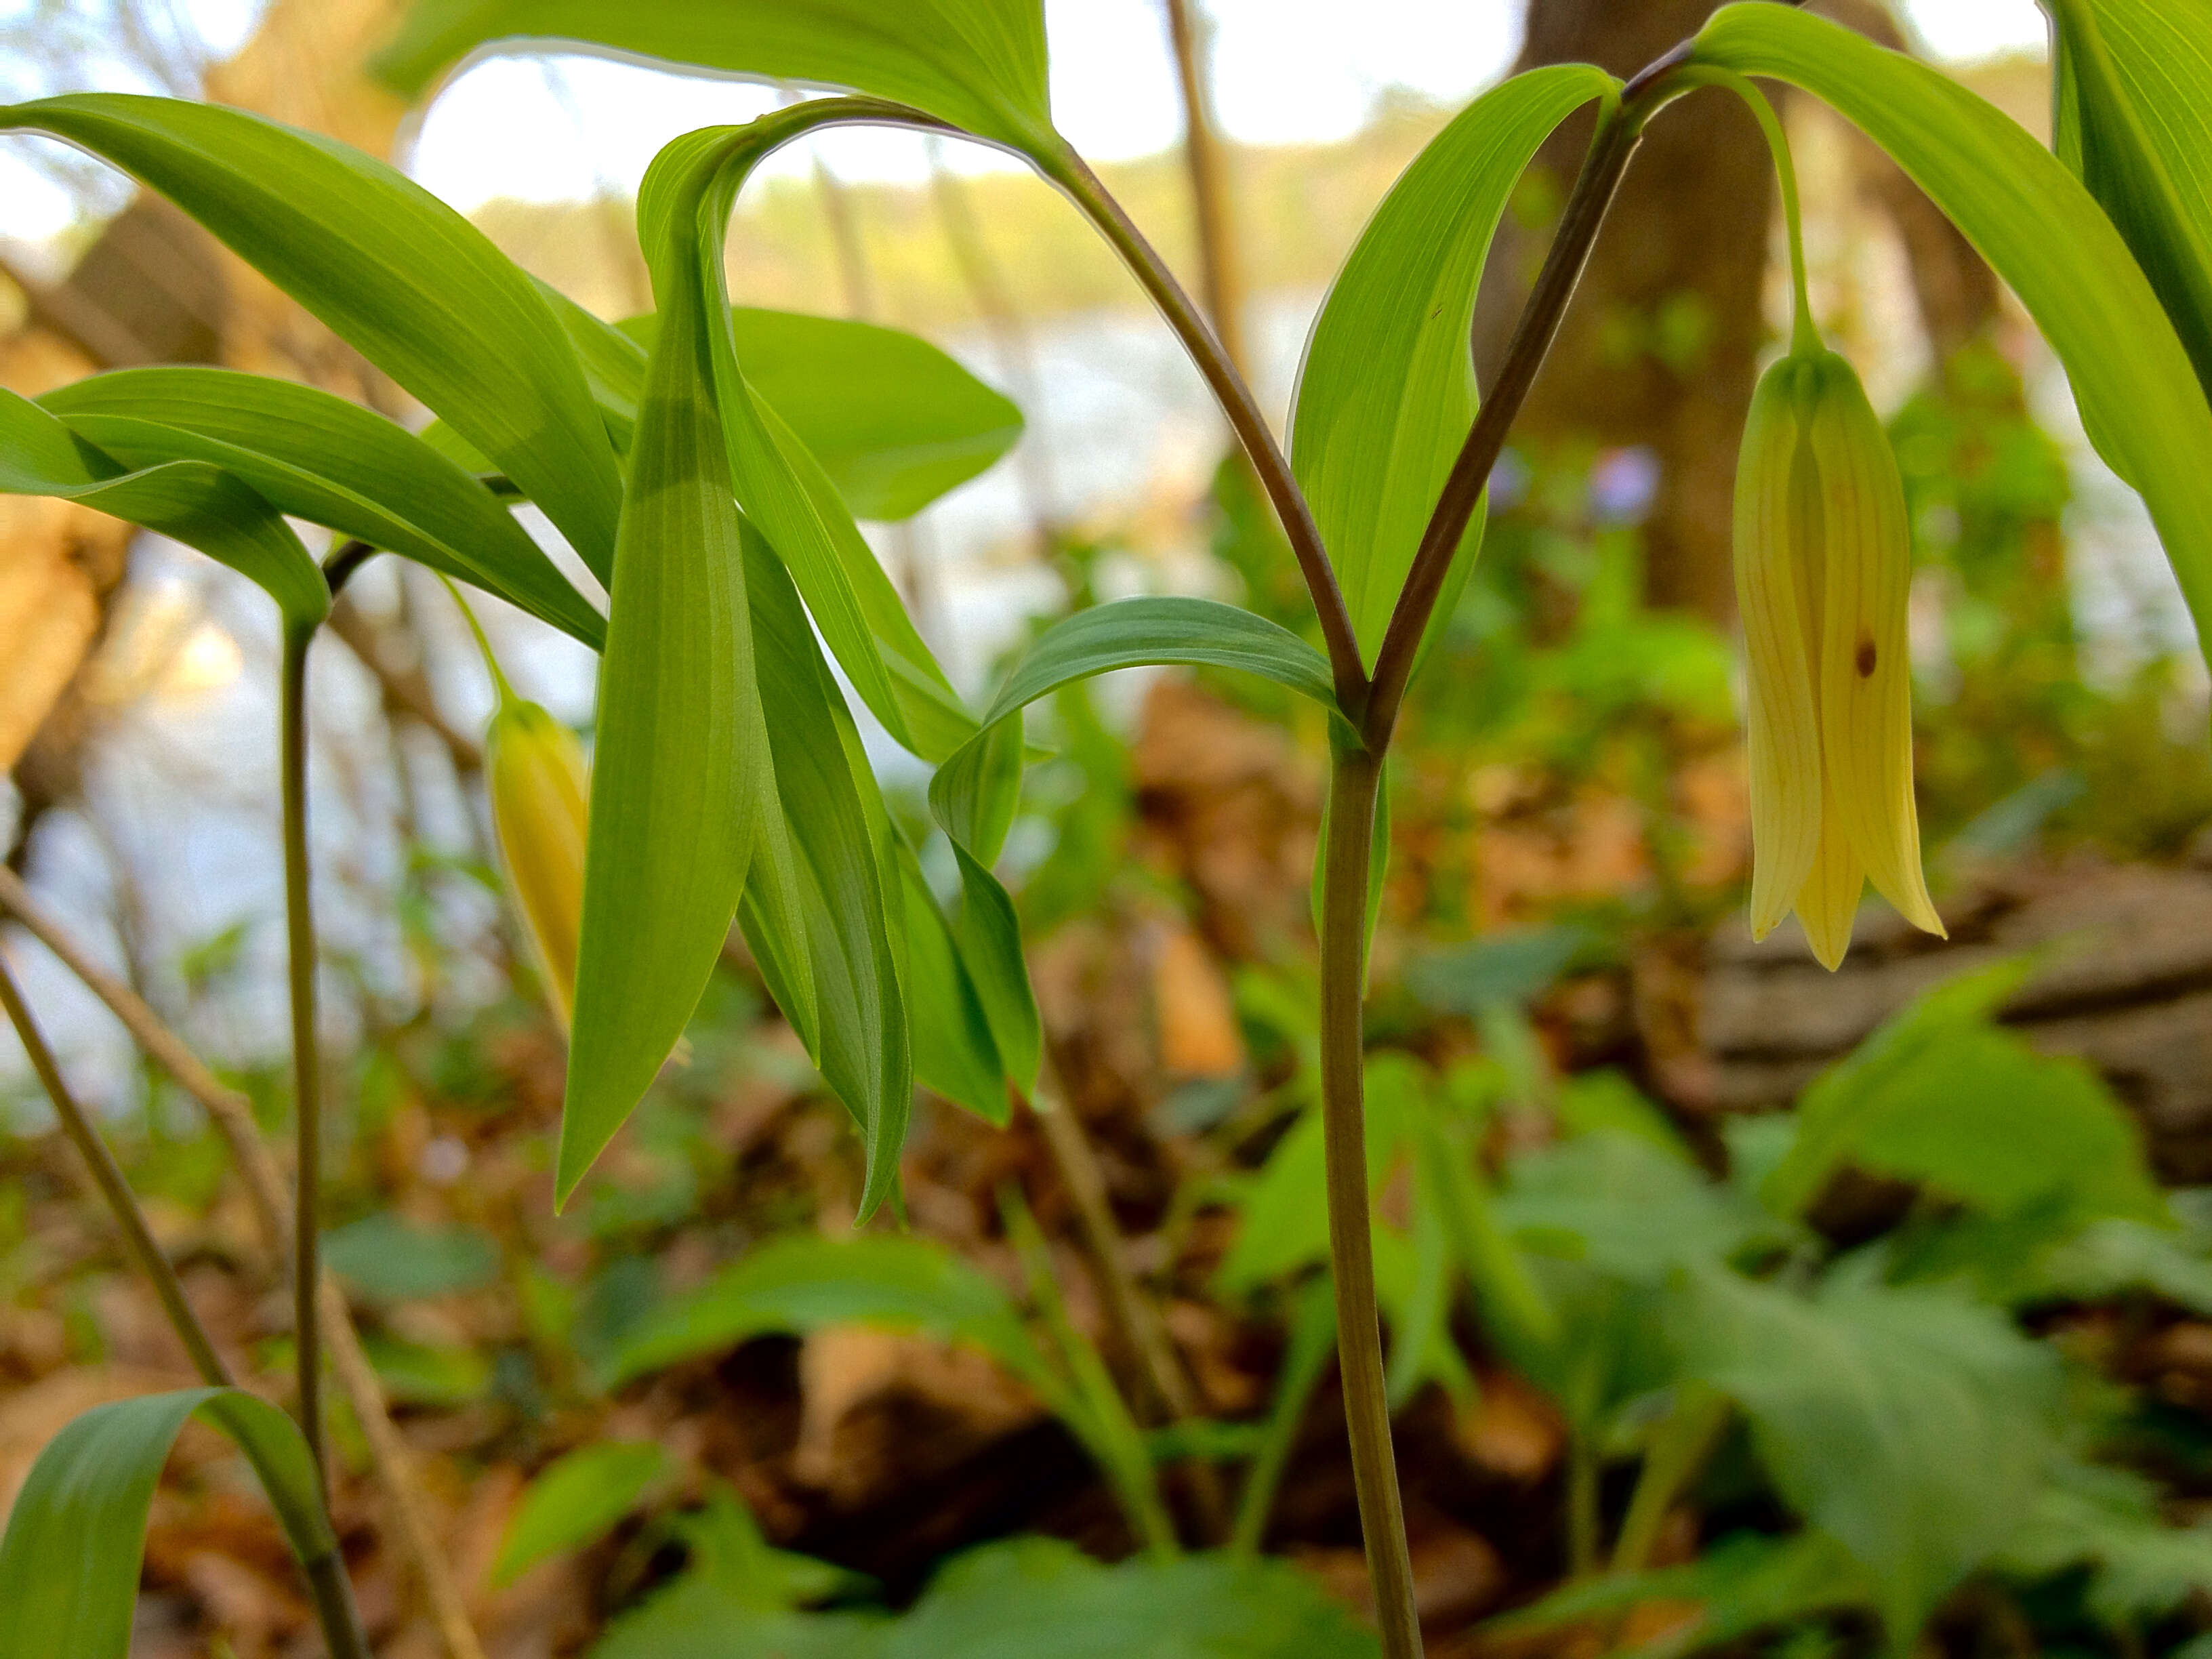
1033, 1595
2134, 124
1744, 1583
1941, 1097
1014, 1600
1913, 1427
977, 64
1388, 389
390, 1259
201, 505
68, 1565
803, 1283
576, 1500
682, 766
852, 911
1515, 967
2108, 1520
2109, 1259
895, 422
316, 456
2044, 234
392, 269
1826, 1120
1627, 1207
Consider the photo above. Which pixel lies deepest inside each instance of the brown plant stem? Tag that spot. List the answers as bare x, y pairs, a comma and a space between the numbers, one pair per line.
1355, 776
391, 1464
1207, 159
1072, 174
1136, 1322
306, 1059
137, 1237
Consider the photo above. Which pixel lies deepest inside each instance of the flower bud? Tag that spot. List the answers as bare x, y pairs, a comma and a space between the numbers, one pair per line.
1824, 567
535, 774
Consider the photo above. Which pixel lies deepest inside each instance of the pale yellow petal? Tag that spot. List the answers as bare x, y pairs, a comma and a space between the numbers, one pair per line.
1782, 730
1829, 903
538, 786
1865, 668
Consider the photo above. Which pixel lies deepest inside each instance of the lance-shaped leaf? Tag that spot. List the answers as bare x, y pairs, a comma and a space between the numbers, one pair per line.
318, 457
68, 1566
974, 792
784, 489
850, 913
1388, 390
2134, 123
954, 1052
2044, 234
895, 423
395, 272
977, 64
682, 764
195, 503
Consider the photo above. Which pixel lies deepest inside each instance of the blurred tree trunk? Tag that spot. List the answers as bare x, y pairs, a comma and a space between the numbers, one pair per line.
1660, 347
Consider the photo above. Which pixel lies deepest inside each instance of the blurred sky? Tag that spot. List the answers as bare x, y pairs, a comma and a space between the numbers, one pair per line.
1285, 70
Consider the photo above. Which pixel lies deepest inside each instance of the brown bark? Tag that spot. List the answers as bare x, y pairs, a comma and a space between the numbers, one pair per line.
1660, 346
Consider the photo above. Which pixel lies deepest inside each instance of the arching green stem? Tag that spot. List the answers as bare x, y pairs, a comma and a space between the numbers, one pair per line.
1803, 336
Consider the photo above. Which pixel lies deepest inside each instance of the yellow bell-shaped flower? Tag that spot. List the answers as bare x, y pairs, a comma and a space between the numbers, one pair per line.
535, 775
1823, 567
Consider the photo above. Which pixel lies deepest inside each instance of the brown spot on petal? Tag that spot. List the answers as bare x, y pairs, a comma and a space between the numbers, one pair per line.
1866, 656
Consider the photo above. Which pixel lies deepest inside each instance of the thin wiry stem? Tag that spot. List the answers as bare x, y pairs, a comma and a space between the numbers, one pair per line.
1071, 173
137, 1237
306, 1067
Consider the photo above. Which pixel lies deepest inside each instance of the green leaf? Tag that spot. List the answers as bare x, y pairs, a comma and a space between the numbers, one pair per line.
1388, 391
1912, 1427
804, 1282
1938, 1095
2044, 234
895, 423
197, 504
977, 64
851, 909
954, 1052
782, 487
576, 1500
2134, 125
393, 271
681, 768
317, 456
2108, 1520
68, 1565
390, 1259
1131, 633
1034, 1595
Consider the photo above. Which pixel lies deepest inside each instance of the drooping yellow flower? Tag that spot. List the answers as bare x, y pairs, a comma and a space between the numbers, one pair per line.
1823, 566
535, 775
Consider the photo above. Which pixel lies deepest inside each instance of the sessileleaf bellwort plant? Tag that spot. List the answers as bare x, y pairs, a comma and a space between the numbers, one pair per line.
708, 465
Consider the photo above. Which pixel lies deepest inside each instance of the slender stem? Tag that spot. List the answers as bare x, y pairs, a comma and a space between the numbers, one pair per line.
1803, 336
1582, 1504
307, 1069
1354, 778
1313, 1333
1072, 174
335, 1611
1619, 127
1136, 1321
137, 1237
1205, 161
1681, 1444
